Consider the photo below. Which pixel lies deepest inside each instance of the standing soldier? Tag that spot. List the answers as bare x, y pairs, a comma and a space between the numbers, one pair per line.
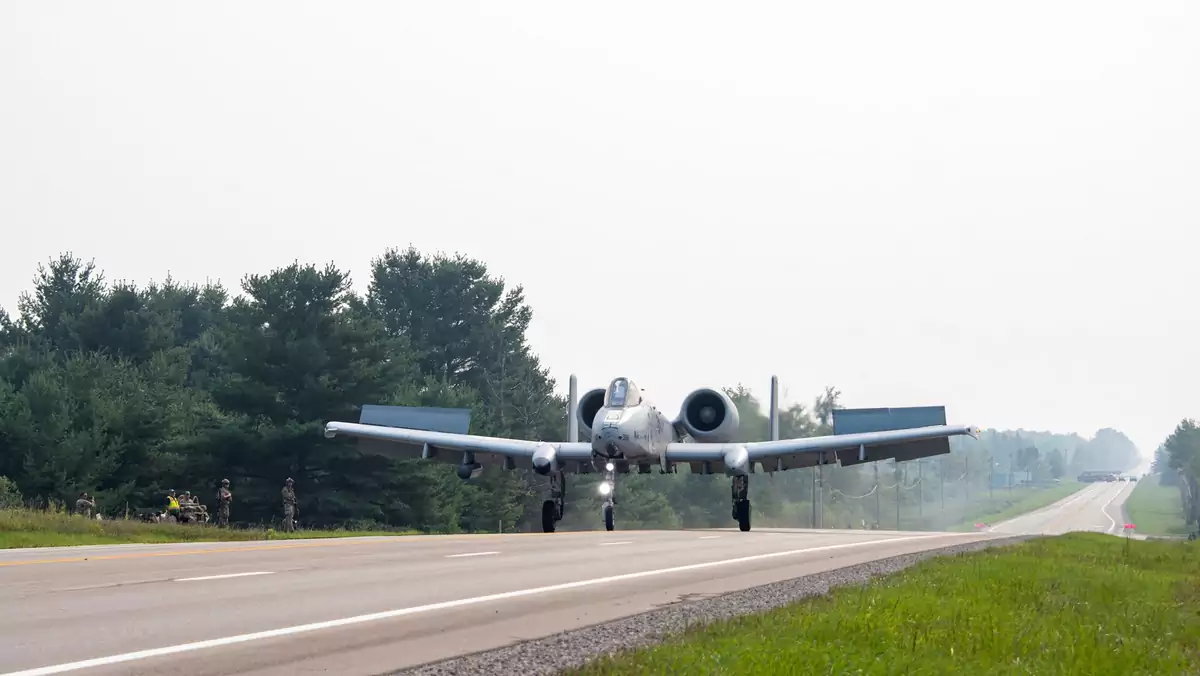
224, 499
84, 505
289, 506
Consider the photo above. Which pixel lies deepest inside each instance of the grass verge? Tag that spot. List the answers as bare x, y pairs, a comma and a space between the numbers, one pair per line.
1156, 509
21, 528
1075, 604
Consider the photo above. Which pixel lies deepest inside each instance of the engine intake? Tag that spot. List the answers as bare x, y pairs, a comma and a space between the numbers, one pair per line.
589, 405
709, 415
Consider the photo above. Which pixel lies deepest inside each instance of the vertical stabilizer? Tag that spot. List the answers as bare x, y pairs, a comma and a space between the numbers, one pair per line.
572, 404
774, 415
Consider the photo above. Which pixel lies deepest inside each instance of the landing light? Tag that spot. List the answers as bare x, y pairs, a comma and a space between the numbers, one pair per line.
608, 466
605, 488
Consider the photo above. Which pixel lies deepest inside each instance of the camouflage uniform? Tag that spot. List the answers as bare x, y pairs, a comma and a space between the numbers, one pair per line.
224, 500
84, 505
187, 507
289, 506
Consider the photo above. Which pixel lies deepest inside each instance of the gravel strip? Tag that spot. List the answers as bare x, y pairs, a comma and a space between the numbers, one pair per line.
574, 648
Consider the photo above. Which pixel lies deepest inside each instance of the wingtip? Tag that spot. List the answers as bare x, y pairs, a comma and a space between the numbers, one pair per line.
330, 430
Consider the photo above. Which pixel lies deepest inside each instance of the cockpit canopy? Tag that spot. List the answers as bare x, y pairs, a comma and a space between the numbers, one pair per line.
622, 393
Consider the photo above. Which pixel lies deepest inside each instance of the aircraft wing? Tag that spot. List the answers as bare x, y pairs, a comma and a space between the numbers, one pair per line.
848, 449
448, 447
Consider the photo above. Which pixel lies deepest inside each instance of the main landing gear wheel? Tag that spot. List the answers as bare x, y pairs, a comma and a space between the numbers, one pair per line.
608, 518
548, 516
740, 488
552, 509
742, 512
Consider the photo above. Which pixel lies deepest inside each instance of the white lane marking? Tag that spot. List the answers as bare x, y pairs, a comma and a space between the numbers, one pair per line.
1104, 509
622, 542
459, 556
1048, 509
1075, 498
221, 577
709, 537
444, 605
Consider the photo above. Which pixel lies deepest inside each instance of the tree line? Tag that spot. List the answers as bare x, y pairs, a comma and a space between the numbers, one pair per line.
1177, 462
127, 391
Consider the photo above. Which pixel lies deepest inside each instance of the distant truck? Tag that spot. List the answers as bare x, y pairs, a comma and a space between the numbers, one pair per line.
1093, 475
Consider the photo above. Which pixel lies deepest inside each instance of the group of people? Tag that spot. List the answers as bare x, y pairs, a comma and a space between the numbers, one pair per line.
185, 507
225, 501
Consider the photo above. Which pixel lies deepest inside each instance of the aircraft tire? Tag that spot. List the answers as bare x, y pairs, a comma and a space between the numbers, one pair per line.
608, 518
548, 516
743, 515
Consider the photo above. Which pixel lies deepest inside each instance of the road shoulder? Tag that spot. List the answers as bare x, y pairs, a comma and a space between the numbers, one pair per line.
552, 654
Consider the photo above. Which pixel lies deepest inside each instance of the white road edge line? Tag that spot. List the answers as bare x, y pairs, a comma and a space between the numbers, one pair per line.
459, 556
445, 605
221, 577
709, 537
622, 542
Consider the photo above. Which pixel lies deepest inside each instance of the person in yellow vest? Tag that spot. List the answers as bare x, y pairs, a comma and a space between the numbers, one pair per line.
172, 504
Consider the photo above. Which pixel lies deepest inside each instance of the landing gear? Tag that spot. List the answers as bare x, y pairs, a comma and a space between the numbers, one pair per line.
552, 509
608, 488
741, 501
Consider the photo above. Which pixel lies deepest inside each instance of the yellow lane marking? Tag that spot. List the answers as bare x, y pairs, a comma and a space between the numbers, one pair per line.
332, 542
144, 555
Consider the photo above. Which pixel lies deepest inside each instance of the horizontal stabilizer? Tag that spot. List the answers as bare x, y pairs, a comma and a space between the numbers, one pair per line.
451, 420
861, 420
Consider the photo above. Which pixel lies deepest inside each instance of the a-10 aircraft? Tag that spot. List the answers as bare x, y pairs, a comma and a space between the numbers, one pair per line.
627, 431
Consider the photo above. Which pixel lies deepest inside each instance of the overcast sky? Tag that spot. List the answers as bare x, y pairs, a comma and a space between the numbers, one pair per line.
989, 207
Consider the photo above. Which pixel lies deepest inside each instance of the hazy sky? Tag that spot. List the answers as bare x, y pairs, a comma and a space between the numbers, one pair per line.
987, 207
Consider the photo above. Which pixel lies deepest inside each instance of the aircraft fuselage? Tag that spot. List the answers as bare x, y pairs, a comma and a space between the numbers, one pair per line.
633, 433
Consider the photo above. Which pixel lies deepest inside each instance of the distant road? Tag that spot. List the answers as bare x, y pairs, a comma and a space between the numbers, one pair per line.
1099, 507
369, 605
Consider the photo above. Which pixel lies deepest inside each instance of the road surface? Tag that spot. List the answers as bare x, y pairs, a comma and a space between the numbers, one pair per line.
367, 605
1099, 507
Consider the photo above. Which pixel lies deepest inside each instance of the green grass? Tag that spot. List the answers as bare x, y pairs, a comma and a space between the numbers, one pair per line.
1155, 509
1074, 604
37, 528
1005, 504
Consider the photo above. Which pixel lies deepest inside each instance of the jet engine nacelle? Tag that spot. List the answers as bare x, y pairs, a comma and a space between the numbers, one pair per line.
709, 415
589, 405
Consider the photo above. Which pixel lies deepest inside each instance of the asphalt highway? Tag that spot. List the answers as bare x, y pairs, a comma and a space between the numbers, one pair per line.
1099, 507
369, 605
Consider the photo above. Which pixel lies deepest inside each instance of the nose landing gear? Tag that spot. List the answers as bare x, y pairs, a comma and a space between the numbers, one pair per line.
608, 489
